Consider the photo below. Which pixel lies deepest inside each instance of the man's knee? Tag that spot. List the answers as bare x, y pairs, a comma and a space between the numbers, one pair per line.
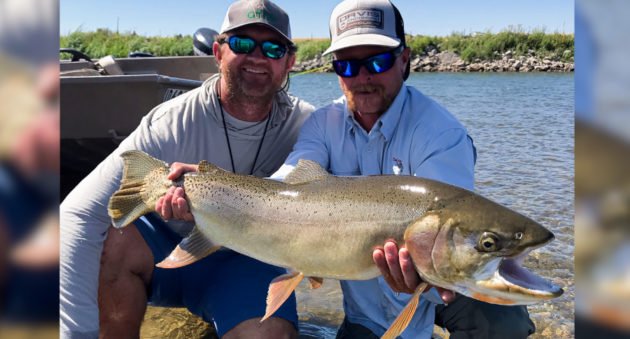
125, 253
271, 328
514, 323
125, 273
469, 318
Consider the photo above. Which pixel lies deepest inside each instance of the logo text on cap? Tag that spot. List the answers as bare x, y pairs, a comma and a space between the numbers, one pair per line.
365, 18
257, 11
257, 14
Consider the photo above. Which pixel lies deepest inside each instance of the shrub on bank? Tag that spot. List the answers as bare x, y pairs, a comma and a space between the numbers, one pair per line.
104, 42
483, 46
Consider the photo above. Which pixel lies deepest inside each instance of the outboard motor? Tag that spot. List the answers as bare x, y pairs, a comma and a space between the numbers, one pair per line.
202, 41
138, 54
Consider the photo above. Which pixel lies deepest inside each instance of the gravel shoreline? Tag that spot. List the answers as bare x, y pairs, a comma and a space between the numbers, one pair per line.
434, 61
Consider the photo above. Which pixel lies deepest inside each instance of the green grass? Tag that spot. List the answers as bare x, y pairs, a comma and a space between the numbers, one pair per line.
105, 42
310, 48
488, 46
483, 46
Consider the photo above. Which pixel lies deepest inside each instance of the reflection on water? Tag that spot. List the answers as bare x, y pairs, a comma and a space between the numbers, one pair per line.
523, 129
320, 310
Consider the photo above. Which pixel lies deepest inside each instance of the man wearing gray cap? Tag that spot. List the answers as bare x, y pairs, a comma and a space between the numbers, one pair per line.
241, 120
382, 126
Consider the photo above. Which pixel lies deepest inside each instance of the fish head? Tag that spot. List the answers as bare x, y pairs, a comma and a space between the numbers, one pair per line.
475, 246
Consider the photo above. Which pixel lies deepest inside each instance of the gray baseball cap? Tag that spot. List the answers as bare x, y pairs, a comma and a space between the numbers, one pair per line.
263, 12
365, 22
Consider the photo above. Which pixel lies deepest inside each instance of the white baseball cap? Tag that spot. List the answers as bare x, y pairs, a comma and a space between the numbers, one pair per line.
365, 22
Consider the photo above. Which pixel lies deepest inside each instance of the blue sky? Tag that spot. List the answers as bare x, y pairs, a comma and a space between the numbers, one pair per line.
310, 18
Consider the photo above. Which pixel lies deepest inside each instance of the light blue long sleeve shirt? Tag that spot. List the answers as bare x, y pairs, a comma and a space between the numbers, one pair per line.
416, 136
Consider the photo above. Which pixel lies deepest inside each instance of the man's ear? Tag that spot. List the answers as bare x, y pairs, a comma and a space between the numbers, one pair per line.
216, 50
405, 57
290, 61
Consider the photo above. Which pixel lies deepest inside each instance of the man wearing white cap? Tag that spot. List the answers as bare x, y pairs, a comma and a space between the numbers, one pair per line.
382, 126
241, 120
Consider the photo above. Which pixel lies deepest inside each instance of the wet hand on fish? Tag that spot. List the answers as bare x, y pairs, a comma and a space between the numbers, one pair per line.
173, 204
399, 272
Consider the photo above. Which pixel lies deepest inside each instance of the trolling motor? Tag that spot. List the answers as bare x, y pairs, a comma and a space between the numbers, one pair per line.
202, 41
76, 55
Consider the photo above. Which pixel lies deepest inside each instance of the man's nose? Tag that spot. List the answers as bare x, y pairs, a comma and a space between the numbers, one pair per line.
364, 73
257, 53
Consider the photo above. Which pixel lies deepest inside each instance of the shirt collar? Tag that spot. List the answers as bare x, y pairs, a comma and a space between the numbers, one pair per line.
389, 120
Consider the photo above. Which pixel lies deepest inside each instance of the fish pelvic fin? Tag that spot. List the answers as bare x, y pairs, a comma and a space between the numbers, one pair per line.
280, 289
143, 182
191, 249
316, 282
306, 171
404, 318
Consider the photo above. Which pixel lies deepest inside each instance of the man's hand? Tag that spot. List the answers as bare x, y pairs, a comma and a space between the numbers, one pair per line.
398, 270
173, 204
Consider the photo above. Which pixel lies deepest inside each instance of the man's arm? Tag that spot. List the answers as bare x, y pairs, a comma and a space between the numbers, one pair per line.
84, 222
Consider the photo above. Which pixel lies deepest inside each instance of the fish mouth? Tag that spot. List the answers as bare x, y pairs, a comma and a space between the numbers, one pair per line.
513, 284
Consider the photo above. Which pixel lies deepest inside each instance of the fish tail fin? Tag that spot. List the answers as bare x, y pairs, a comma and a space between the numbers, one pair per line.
143, 182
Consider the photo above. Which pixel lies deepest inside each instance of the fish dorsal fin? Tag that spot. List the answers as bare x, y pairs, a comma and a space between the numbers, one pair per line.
207, 168
306, 171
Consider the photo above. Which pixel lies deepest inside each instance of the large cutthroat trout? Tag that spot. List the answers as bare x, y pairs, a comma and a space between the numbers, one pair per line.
322, 226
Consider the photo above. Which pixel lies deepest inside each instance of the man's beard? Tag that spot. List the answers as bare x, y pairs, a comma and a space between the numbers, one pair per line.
241, 90
375, 90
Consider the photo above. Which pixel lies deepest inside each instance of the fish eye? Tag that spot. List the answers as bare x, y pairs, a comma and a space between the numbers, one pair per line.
488, 242
518, 235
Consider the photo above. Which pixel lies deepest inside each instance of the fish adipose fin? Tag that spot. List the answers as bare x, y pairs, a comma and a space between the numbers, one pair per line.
404, 318
143, 182
280, 289
191, 249
316, 282
306, 171
208, 168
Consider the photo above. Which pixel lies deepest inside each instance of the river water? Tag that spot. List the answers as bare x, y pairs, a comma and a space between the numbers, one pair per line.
522, 126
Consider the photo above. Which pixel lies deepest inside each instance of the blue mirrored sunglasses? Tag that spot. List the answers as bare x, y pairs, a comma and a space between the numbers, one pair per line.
245, 45
375, 64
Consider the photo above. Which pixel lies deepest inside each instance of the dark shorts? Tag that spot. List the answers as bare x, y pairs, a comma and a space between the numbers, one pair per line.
465, 318
225, 288
469, 318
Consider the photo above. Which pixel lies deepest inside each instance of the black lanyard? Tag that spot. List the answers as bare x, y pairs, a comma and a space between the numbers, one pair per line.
227, 138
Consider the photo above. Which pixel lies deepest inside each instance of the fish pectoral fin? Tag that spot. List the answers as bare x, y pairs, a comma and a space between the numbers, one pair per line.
316, 282
191, 249
280, 289
403, 319
306, 171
